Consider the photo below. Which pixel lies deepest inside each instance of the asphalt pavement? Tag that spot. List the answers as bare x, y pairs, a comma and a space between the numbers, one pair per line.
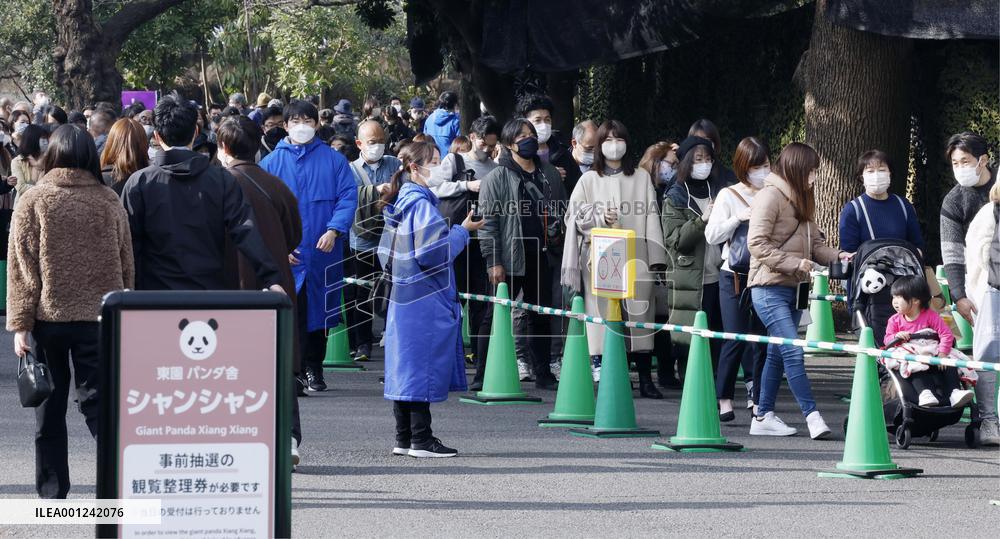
513, 478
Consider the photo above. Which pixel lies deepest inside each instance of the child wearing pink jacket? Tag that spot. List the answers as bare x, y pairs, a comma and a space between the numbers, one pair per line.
925, 334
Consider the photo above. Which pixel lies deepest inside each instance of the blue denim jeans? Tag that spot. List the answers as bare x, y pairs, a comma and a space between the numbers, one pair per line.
775, 305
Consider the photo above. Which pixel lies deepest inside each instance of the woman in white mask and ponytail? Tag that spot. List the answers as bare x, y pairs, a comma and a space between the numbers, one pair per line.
687, 207
614, 193
728, 226
878, 214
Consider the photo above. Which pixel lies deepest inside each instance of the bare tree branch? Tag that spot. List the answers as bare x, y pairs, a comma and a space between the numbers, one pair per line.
133, 15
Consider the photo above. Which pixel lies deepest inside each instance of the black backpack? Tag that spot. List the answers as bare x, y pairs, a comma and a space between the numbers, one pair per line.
455, 208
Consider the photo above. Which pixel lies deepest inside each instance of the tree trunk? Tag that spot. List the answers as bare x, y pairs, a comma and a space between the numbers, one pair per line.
86, 52
84, 65
561, 88
855, 100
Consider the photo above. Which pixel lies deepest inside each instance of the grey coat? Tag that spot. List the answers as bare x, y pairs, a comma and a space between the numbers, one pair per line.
498, 202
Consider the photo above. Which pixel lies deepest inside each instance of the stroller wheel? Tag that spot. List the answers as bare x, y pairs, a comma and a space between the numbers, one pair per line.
903, 437
933, 436
972, 436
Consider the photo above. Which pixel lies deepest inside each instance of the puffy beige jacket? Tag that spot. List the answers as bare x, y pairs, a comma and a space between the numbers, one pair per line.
778, 242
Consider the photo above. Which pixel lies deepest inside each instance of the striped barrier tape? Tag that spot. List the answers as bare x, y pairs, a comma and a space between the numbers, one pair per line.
709, 334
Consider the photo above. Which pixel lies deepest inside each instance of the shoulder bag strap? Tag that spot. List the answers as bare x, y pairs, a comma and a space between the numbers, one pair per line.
868, 221
360, 171
255, 184
739, 196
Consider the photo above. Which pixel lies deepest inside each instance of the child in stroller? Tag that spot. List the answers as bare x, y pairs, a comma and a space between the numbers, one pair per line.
923, 332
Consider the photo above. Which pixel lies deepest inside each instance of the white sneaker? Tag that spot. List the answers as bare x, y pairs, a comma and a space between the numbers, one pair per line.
989, 433
927, 398
401, 451
556, 367
817, 427
770, 425
960, 397
295, 454
523, 372
595, 368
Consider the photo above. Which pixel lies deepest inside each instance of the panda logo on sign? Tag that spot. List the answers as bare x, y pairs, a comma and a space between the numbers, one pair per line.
198, 338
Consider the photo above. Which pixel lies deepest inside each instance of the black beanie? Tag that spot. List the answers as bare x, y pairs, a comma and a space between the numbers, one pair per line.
689, 143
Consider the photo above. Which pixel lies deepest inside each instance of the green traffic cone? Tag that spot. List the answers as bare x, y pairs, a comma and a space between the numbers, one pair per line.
964, 340
866, 448
501, 384
964, 343
575, 399
466, 340
338, 351
821, 312
614, 416
338, 347
698, 429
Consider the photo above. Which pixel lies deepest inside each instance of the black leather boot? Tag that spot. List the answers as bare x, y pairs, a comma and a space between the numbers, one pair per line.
643, 365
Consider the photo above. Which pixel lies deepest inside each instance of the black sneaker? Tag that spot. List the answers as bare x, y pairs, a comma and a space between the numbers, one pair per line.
315, 382
364, 353
300, 387
476, 386
431, 449
401, 449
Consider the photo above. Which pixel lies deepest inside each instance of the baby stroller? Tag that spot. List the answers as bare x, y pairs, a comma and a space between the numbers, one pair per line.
875, 266
904, 417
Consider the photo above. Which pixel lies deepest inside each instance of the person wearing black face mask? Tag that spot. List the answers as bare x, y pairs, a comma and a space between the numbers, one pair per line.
522, 202
273, 121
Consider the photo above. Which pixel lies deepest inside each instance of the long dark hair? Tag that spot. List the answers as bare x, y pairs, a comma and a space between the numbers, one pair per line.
796, 162
70, 146
420, 153
607, 129
30, 145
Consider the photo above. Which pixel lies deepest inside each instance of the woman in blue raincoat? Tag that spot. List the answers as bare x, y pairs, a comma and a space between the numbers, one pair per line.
423, 339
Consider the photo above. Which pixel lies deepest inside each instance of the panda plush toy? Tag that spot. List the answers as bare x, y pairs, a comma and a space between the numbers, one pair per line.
872, 282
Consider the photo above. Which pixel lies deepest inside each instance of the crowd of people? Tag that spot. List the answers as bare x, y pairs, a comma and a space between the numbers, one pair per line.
290, 198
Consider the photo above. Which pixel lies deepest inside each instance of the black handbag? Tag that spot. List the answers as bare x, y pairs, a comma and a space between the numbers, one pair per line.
739, 251
34, 384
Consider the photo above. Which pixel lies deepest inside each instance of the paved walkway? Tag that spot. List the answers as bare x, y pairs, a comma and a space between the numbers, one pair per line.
515, 479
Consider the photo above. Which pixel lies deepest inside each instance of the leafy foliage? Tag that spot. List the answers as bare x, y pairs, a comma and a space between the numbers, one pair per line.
323, 47
27, 36
156, 53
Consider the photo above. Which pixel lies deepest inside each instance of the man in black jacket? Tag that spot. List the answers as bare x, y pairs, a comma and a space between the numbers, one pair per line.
180, 210
537, 109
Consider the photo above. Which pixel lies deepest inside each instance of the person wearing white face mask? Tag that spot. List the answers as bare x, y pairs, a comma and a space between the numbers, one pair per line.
321, 180
616, 194
878, 214
373, 171
728, 226
538, 109
583, 142
460, 176
687, 207
969, 157
423, 339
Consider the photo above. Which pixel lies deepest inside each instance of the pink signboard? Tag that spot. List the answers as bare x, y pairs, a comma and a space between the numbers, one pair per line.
197, 420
